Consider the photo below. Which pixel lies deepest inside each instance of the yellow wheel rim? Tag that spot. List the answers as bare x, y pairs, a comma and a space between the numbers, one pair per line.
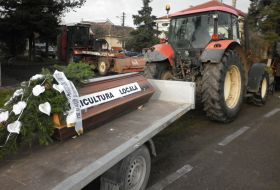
232, 86
102, 67
263, 88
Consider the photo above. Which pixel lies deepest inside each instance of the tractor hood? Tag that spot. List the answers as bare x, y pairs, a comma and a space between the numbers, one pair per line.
159, 53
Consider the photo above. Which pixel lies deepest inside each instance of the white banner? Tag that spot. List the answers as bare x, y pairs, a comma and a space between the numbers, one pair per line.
97, 98
73, 98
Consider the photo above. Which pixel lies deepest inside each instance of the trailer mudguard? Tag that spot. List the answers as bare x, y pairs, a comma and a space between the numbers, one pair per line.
255, 76
160, 52
215, 50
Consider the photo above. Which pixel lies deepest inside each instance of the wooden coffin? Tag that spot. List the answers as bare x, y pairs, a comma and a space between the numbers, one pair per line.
105, 112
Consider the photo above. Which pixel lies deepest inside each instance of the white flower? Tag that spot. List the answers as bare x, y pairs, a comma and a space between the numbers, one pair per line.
71, 118
19, 107
37, 90
37, 77
14, 127
18, 92
58, 87
45, 108
4, 116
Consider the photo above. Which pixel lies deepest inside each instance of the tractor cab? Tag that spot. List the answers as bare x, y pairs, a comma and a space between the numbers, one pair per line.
191, 30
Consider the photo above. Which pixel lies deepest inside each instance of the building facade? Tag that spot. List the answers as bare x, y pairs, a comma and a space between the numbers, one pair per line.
114, 35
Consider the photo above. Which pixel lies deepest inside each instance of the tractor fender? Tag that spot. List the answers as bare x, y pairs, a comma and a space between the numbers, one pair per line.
214, 51
255, 76
160, 52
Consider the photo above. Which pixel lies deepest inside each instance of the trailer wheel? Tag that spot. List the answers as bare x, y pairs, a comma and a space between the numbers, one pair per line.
223, 87
259, 98
132, 173
103, 66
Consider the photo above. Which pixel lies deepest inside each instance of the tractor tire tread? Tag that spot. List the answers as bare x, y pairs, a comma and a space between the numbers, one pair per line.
212, 95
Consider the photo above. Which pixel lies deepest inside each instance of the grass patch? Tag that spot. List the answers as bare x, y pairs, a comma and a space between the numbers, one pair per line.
5, 95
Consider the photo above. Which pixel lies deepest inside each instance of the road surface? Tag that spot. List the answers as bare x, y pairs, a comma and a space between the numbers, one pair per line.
197, 154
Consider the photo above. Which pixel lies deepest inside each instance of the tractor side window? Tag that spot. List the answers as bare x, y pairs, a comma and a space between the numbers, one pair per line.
224, 26
203, 31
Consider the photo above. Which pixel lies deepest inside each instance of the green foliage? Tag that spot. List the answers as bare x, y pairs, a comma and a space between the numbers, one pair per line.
5, 94
264, 18
38, 127
78, 72
145, 35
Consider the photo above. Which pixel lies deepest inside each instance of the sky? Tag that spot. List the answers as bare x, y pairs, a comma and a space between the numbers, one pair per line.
94, 10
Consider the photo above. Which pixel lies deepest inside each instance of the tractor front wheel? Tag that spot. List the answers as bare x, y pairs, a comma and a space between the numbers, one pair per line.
150, 71
158, 71
166, 75
223, 87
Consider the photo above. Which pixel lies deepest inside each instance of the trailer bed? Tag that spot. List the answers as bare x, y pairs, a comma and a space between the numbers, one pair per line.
75, 163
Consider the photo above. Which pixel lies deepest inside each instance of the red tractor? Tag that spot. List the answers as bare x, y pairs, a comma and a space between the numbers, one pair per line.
207, 45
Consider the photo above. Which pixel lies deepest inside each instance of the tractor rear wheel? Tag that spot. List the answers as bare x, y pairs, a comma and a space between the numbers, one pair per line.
103, 66
223, 87
259, 98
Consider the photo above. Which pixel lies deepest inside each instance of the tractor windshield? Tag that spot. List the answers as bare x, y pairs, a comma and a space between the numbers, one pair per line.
192, 31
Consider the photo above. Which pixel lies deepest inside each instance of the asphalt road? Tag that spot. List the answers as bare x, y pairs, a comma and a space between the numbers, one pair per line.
198, 154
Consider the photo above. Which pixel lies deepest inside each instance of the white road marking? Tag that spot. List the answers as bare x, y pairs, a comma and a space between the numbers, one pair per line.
233, 136
271, 113
171, 178
218, 151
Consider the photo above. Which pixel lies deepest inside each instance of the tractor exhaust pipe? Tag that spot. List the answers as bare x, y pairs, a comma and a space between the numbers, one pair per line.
234, 3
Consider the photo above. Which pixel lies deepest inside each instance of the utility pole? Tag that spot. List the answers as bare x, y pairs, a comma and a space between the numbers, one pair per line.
123, 18
123, 24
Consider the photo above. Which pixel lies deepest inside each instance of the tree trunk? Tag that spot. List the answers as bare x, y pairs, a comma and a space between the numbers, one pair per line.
30, 48
0, 75
47, 49
31, 51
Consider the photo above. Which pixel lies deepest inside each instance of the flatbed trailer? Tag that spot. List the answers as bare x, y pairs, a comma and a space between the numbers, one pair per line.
75, 163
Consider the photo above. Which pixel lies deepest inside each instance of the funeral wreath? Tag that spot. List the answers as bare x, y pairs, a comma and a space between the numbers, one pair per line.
26, 117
